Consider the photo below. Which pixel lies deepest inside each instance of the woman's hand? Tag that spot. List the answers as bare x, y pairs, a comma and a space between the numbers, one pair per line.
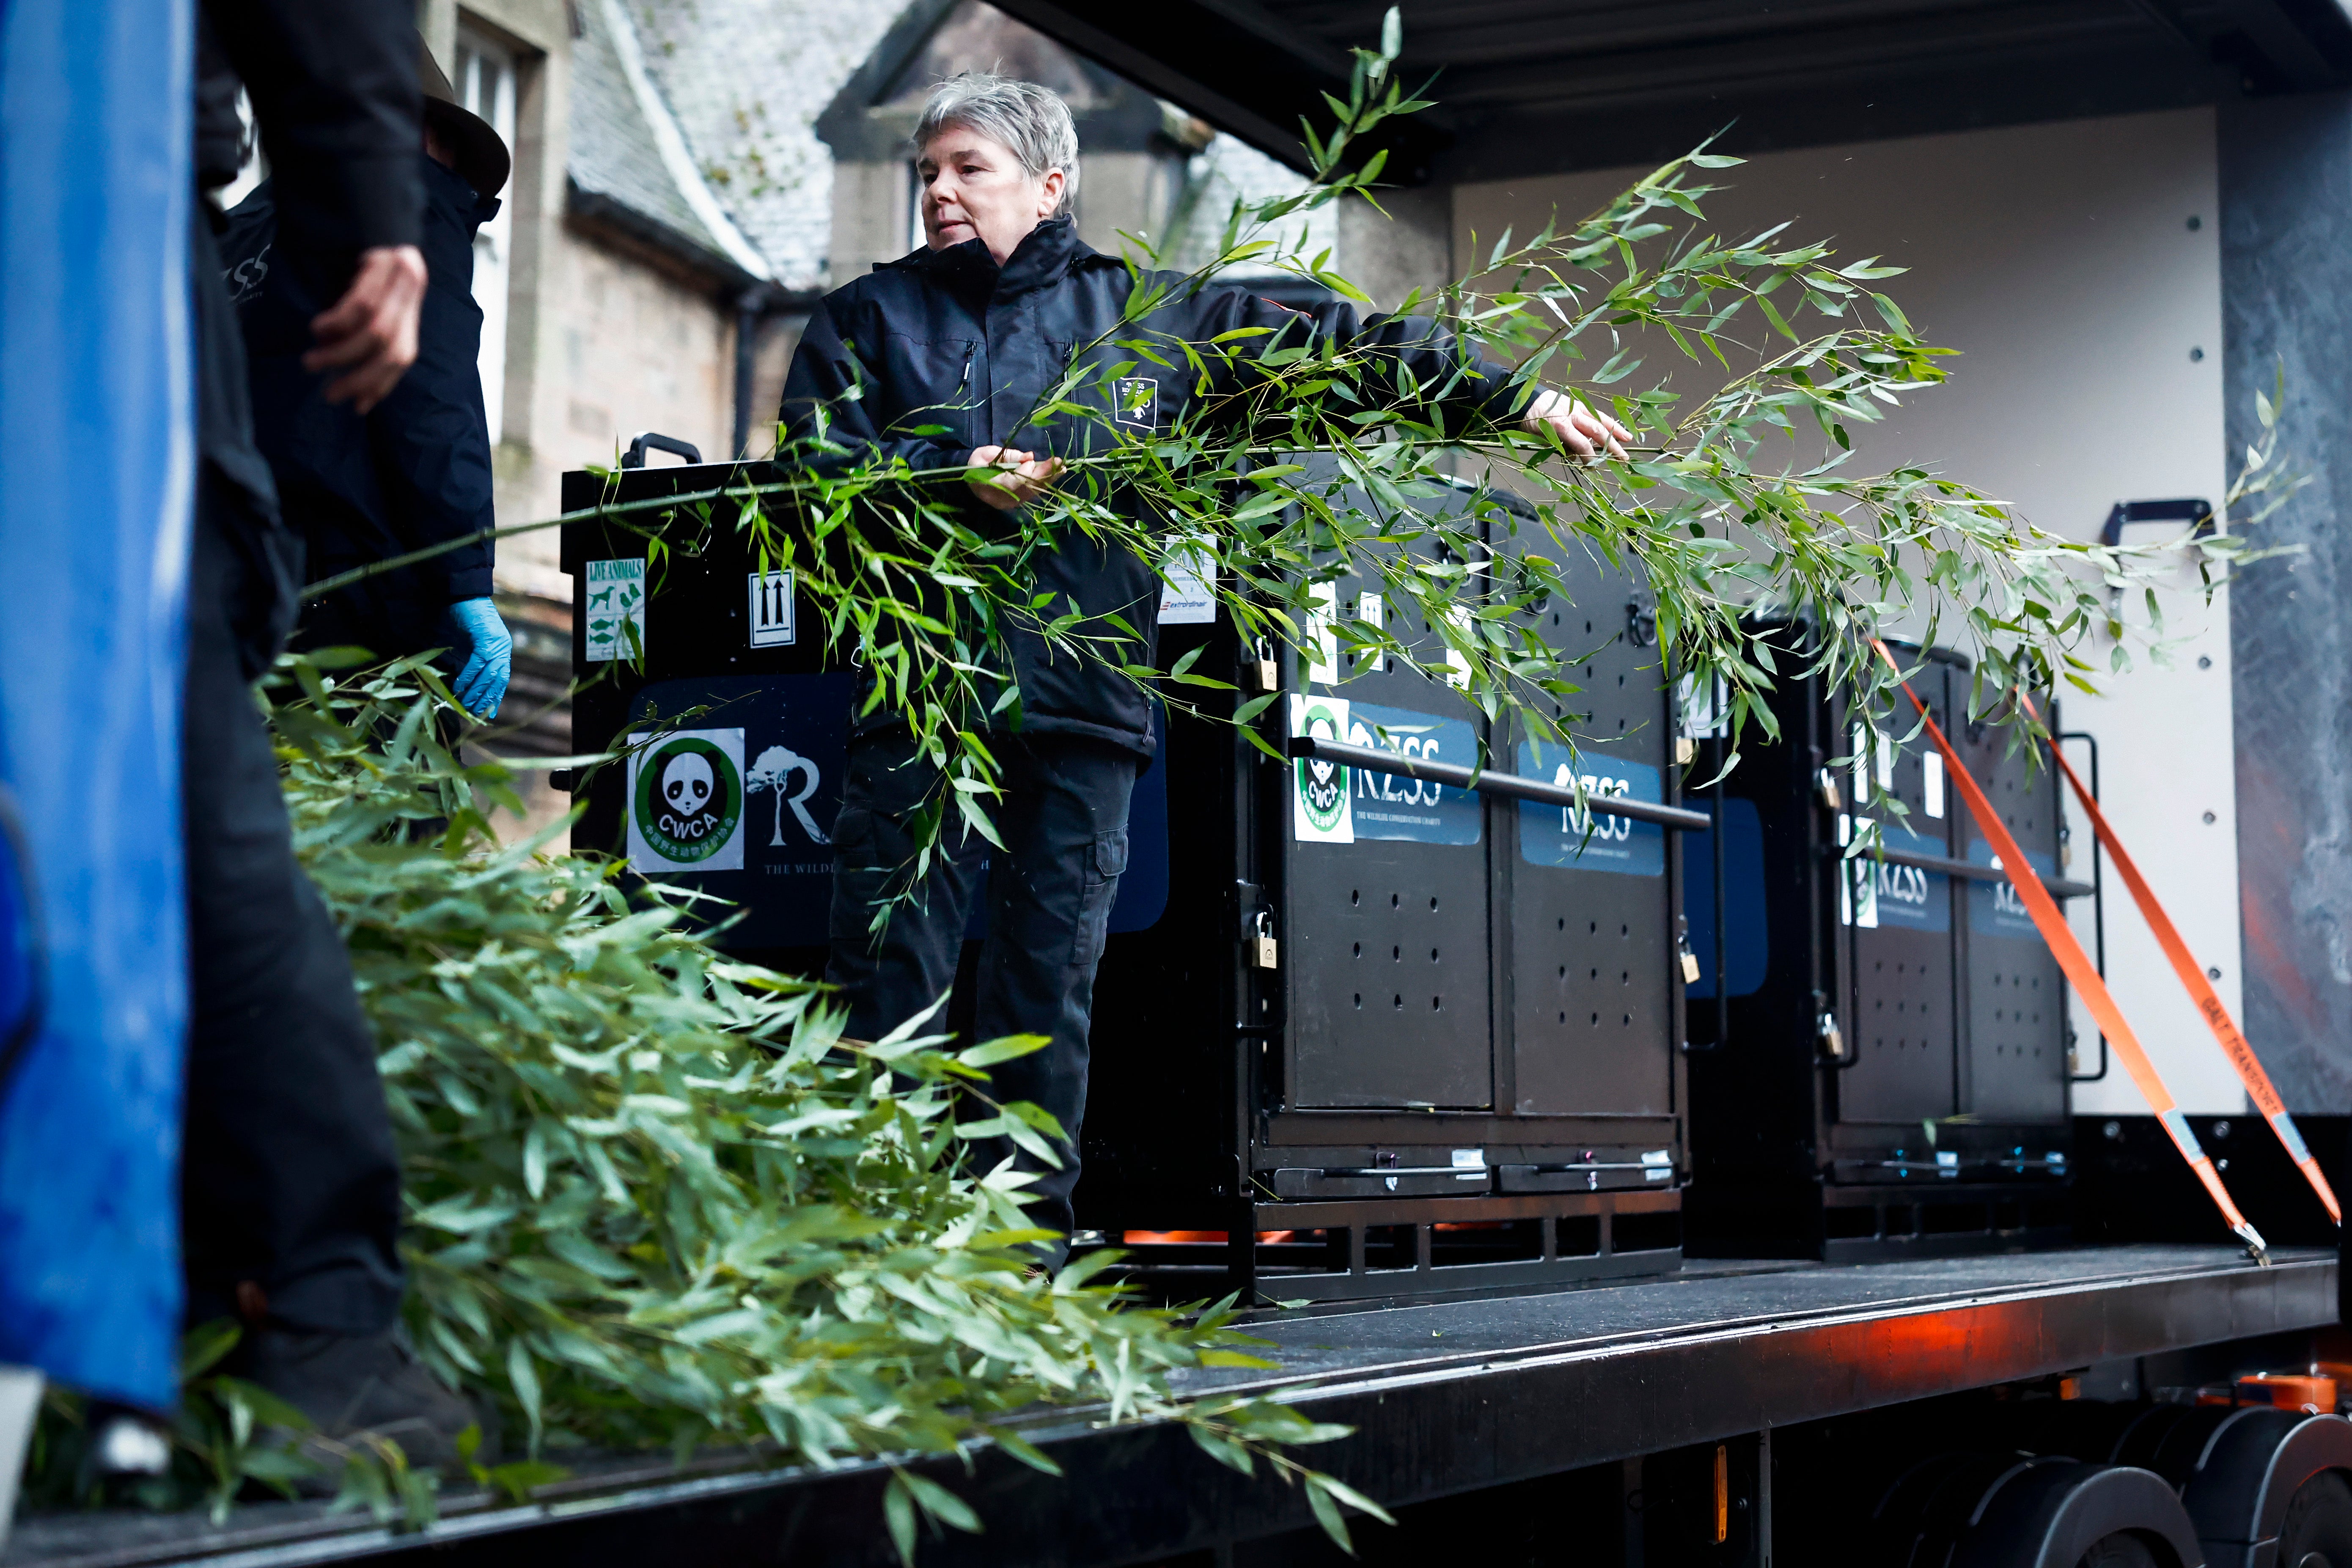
1020, 477
1581, 429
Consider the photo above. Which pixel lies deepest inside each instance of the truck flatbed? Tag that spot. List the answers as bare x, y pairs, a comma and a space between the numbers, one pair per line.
1448, 1397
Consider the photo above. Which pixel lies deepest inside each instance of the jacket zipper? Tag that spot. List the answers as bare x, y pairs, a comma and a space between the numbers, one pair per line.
964, 390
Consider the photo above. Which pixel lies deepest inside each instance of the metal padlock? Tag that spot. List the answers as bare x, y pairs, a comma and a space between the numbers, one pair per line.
1831, 1040
1686, 750
1826, 784
1269, 677
1264, 953
1690, 965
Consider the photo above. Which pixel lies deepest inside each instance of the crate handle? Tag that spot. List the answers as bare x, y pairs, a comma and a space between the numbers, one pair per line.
635, 457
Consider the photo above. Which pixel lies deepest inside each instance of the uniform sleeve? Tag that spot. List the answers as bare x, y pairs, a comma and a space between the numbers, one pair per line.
432, 444
334, 84
824, 385
1457, 382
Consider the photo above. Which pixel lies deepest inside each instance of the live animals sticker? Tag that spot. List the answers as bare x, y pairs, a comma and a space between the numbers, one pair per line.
615, 611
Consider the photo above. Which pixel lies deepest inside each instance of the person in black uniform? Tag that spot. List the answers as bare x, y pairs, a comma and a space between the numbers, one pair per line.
290, 1182
361, 486
968, 334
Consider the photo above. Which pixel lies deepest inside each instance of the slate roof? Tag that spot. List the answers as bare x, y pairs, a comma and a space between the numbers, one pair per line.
746, 79
741, 83
620, 168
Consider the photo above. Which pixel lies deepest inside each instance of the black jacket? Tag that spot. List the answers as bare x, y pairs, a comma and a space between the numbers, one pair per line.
414, 471
333, 86
947, 338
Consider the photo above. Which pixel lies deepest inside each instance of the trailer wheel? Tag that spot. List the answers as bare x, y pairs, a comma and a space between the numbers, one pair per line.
2121, 1549
2318, 1530
1925, 1506
2065, 1513
2271, 1489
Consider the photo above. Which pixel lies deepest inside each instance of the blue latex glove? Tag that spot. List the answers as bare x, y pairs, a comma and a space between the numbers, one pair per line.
481, 683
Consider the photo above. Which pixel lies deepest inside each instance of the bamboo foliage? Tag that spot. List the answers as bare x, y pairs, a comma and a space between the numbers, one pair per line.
655, 1200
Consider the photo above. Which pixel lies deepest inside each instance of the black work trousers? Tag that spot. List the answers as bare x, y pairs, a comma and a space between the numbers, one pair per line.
290, 1181
1063, 818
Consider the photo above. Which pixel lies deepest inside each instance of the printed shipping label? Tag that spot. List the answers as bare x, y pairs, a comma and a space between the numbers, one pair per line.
1184, 596
1322, 634
686, 801
1372, 611
1703, 706
1864, 753
1323, 807
616, 609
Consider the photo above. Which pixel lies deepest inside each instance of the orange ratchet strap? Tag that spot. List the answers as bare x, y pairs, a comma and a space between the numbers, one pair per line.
2259, 1087
2080, 970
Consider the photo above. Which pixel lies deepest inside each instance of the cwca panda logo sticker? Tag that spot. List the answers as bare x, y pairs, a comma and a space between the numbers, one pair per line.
1324, 804
686, 802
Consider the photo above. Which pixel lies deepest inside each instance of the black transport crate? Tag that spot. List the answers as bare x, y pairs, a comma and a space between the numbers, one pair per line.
1462, 1071
655, 639
716, 633
1885, 1068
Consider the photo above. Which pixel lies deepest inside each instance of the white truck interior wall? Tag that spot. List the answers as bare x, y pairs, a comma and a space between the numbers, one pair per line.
2061, 261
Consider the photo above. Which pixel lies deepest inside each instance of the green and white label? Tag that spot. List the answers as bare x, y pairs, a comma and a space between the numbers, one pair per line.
615, 611
686, 802
1324, 812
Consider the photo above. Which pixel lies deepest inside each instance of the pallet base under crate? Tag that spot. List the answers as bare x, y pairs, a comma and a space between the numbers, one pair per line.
1365, 1249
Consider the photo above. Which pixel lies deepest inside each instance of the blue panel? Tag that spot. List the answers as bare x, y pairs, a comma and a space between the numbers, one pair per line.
1994, 908
95, 197
1560, 836
1388, 807
1909, 899
1750, 950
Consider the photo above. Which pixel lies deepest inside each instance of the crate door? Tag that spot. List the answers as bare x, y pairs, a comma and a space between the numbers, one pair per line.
2016, 1000
1385, 935
1897, 921
1590, 905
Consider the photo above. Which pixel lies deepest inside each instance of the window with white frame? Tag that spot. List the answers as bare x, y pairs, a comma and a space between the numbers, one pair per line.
485, 81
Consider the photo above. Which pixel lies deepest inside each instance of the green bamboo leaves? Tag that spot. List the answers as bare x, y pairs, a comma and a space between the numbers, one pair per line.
654, 1199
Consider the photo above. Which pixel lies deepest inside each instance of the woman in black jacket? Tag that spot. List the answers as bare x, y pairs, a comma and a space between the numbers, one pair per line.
969, 333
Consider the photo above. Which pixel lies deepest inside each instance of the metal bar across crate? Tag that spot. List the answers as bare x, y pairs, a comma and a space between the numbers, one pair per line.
1968, 870
1372, 760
